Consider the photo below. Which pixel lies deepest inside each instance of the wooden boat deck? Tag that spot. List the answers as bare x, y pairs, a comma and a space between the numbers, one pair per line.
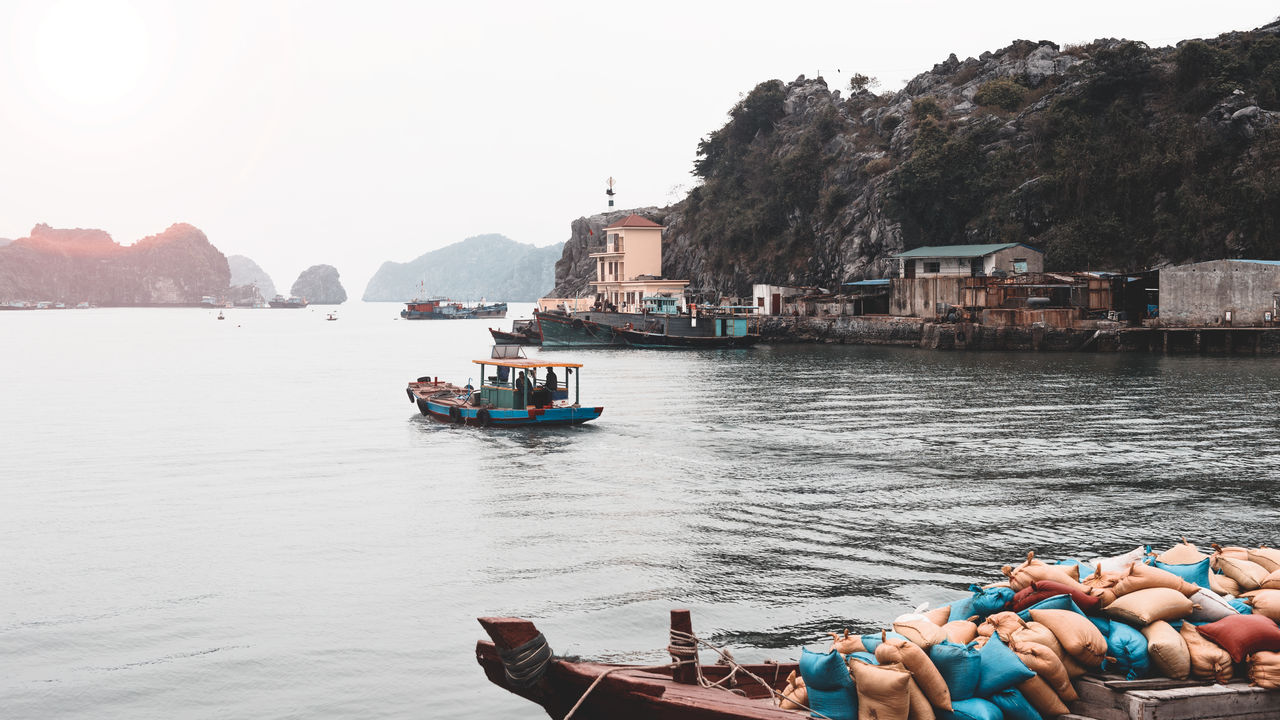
1114, 698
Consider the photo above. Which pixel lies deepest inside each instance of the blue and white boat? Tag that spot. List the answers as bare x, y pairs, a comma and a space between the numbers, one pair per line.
519, 392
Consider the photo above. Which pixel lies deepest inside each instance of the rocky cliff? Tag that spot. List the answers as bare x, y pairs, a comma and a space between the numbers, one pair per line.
245, 271
319, 284
177, 266
1110, 155
492, 267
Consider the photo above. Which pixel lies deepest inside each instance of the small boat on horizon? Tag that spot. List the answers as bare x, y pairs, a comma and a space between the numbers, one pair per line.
293, 302
332, 317
444, 309
512, 396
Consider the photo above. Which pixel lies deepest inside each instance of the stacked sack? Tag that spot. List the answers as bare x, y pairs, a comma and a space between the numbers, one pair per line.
1009, 650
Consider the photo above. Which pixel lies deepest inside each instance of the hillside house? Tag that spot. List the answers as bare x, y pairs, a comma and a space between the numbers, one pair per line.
969, 260
630, 268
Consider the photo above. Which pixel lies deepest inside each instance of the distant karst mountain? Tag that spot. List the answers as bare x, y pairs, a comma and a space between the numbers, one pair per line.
485, 266
247, 272
319, 284
177, 266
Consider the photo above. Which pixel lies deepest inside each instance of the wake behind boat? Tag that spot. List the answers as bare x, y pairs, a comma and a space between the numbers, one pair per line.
512, 396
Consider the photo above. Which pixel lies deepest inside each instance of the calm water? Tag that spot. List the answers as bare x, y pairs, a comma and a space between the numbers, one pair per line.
247, 519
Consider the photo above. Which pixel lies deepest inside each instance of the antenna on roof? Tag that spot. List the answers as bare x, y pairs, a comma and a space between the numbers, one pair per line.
610, 192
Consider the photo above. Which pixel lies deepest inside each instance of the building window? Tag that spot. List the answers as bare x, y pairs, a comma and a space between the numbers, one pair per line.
933, 266
1019, 265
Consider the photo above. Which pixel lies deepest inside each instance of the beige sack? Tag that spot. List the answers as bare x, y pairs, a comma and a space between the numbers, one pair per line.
1042, 697
847, 643
939, 616
882, 691
1047, 665
1220, 552
918, 705
1264, 670
1184, 553
1248, 575
1079, 638
1208, 661
1268, 558
1143, 607
1033, 570
1141, 577
923, 671
1002, 624
1266, 603
795, 697
1224, 585
921, 632
1168, 651
960, 632
1271, 581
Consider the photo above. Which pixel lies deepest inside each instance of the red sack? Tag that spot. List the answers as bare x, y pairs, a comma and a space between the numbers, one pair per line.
1243, 635
1045, 589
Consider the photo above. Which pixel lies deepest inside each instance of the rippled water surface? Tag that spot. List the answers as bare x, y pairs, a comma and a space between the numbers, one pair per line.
246, 518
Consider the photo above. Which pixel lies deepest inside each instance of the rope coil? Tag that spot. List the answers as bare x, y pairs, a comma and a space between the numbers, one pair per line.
525, 665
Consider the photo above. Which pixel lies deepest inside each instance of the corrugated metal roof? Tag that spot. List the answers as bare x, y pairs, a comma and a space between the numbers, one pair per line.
1260, 262
951, 251
869, 282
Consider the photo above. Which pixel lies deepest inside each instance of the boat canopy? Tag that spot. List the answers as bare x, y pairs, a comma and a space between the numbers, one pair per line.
524, 364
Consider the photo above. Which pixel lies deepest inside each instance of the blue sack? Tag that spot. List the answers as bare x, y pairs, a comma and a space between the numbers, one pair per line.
1197, 572
831, 689
866, 657
982, 603
1129, 648
1014, 705
1085, 569
1001, 668
960, 667
872, 641
1240, 606
972, 709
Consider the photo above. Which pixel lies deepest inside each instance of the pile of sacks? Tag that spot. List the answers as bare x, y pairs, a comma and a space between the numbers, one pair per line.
1009, 650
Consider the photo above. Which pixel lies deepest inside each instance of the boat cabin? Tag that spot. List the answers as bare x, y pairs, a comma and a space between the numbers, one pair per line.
503, 389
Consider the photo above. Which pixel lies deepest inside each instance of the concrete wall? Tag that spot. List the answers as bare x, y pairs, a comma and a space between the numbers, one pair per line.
1200, 294
918, 297
643, 250
1003, 260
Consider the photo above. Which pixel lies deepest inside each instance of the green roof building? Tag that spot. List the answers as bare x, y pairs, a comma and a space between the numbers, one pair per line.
970, 260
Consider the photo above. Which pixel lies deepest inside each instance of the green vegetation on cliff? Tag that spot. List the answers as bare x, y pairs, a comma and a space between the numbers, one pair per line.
1110, 155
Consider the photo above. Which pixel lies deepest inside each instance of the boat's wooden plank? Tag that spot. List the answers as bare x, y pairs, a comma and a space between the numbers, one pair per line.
1098, 712
1095, 693
1153, 684
1197, 703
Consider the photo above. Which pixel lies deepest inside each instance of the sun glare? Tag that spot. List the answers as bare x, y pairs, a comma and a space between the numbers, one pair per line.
90, 53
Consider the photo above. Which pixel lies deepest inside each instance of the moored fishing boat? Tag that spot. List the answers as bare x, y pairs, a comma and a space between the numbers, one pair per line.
292, 302
443, 309
637, 338
523, 332
512, 396
518, 659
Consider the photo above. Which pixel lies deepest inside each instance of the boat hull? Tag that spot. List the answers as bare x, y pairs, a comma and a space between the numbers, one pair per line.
496, 417
635, 693
563, 331
685, 342
502, 337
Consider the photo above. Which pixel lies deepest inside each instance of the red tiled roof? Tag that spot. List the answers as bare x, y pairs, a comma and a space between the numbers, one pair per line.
633, 221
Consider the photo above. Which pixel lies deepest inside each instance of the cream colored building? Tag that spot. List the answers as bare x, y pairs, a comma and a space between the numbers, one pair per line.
630, 268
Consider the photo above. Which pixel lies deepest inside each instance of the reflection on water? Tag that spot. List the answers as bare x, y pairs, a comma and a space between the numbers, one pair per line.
252, 510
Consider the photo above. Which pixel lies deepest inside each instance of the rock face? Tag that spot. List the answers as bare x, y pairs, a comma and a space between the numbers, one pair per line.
246, 272
491, 267
319, 284
1108, 156
177, 266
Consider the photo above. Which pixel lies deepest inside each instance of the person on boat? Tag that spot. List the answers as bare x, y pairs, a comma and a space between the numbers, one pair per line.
520, 386
551, 383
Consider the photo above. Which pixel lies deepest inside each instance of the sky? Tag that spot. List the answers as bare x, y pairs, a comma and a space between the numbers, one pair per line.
349, 134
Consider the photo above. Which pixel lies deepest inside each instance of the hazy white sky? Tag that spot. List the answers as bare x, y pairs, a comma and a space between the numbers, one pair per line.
348, 133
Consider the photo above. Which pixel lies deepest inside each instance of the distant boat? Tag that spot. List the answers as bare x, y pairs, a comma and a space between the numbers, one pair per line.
443, 309
221, 316
332, 317
281, 301
209, 301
